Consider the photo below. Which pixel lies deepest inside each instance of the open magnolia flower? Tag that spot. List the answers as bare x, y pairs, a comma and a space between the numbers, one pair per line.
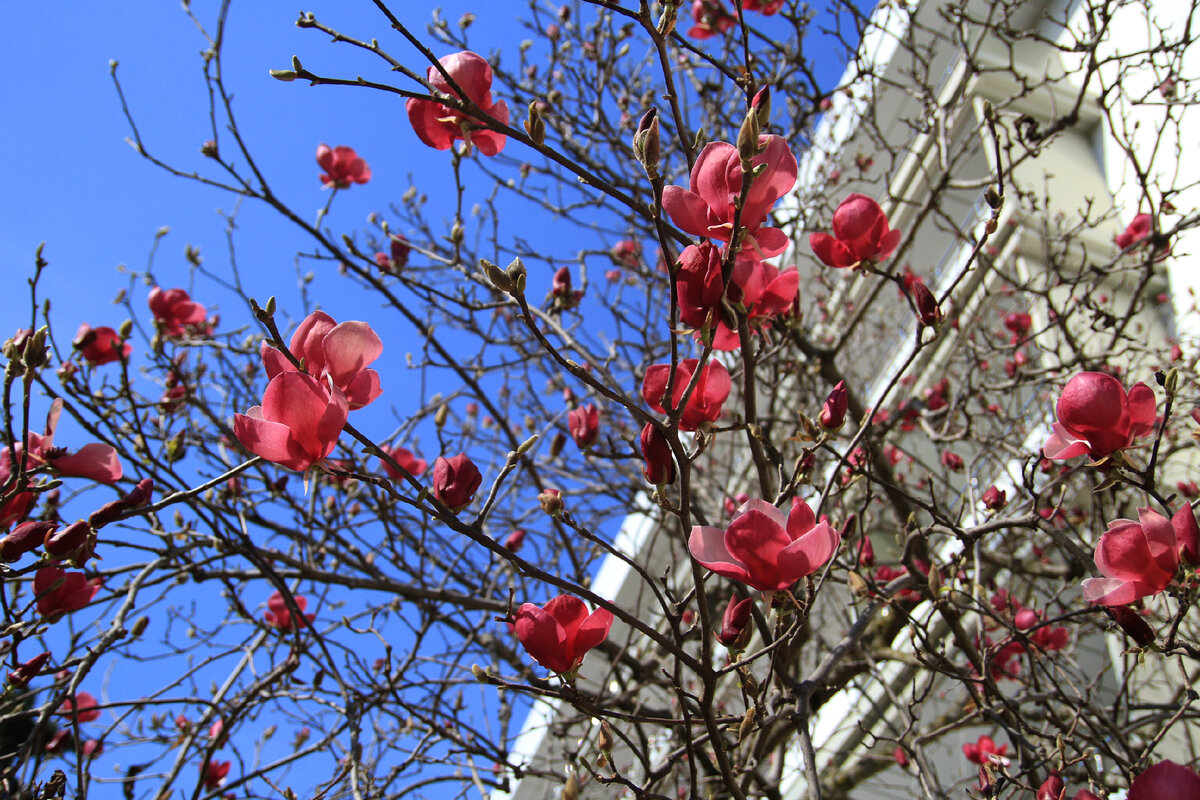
765, 548
559, 634
342, 166
340, 351
860, 234
1097, 418
438, 125
705, 402
708, 208
1139, 559
298, 423
175, 311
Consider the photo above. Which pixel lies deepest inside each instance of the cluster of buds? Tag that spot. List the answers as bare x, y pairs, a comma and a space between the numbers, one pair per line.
510, 280
26, 352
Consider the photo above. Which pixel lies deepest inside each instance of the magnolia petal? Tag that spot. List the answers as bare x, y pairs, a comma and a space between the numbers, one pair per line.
707, 546
687, 210
808, 553
543, 638
1111, 592
96, 461
347, 348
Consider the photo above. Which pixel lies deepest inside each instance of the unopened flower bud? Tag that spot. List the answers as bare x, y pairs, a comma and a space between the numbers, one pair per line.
735, 628
928, 311
24, 538
535, 126
551, 502
24, 673
497, 276
659, 466
762, 106
516, 273
1052, 788
747, 138
833, 413
557, 443
514, 541
605, 740
70, 542
646, 143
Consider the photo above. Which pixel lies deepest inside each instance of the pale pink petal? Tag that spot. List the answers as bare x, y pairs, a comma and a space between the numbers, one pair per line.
1062, 445
1111, 592
348, 348
707, 546
808, 553
96, 461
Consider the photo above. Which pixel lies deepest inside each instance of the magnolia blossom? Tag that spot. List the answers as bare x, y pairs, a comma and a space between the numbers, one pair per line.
765, 548
1166, 780
711, 18
342, 166
280, 617
735, 622
758, 287
455, 481
1136, 231
559, 634
706, 400
765, 7
708, 207
1097, 418
833, 412
404, 457
860, 234
584, 425
438, 125
175, 311
213, 773
100, 345
659, 464
1139, 559
60, 592
985, 749
626, 253
298, 423
81, 706
337, 351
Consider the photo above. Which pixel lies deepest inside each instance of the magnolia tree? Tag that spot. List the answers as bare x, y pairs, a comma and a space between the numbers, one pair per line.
697, 470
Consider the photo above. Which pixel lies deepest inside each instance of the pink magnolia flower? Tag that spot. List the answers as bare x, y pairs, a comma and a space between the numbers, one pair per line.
514, 541
342, 166
298, 423
1166, 780
213, 773
833, 413
455, 481
860, 234
994, 499
339, 352
707, 208
766, 7
60, 592
759, 287
438, 125
280, 616
984, 750
403, 457
1139, 559
82, 706
397, 256
96, 461
735, 621
100, 345
1136, 231
706, 400
659, 465
1097, 418
711, 18
559, 634
765, 548
627, 253
174, 311
584, 425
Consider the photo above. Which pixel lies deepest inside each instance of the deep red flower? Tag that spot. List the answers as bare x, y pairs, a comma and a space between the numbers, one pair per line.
706, 400
280, 616
929, 313
1138, 559
760, 288
514, 540
627, 253
860, 234
298, 423
403, 457
82, 706
707, 208
985, 750
765, 548
711, 18
994, 499
342, 166
1166, 780
175, 311
659, 465
213, 773
337, 351
584, 424
1018, 322
439, 126
61, 592
1136, 231
735, 621
833, 412
765, 7
28, 670
25, 538
397, 256
1097, 418
559, 634
100, 345
455, 481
